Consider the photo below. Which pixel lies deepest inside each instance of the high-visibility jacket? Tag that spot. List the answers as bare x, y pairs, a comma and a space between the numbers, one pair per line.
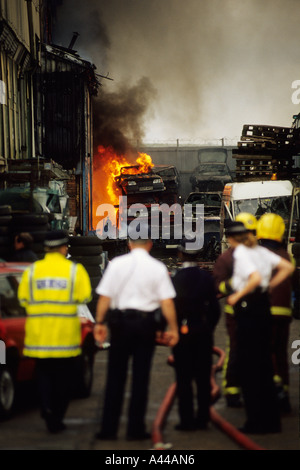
50, 290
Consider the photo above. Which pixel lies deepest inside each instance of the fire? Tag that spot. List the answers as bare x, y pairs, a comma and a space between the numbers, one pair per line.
107, 166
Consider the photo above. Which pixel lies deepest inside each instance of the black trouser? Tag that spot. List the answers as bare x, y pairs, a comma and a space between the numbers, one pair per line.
132, 336
254, 330
56, 379
193, 362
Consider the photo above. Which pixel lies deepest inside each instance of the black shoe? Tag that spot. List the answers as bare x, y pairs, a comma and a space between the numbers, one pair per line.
234, 401
185, 427
138, 437
105, 436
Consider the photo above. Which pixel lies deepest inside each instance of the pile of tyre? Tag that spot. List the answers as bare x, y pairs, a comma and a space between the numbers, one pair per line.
88, 251
12, 223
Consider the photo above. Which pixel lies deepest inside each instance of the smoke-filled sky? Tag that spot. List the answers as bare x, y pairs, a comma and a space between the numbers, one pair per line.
193, 70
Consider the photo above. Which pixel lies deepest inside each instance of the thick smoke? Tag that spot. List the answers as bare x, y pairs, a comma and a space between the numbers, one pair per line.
118, 117
215, 64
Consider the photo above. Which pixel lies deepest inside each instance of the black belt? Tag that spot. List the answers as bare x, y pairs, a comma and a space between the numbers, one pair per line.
134, 313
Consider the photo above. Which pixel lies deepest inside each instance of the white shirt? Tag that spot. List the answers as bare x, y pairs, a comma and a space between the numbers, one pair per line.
247, 260
136, 280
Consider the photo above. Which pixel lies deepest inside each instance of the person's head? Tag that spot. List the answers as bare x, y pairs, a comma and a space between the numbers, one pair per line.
57, 241
146, 244
271, 227
140, 238
236, 233
250, 222
23, 240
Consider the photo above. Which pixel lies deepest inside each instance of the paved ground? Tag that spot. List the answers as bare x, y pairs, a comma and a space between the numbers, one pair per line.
26, 430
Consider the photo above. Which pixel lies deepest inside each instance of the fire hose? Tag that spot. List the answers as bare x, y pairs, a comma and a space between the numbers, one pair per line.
166, 405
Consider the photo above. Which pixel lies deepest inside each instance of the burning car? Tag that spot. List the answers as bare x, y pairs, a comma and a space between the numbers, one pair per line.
133, 180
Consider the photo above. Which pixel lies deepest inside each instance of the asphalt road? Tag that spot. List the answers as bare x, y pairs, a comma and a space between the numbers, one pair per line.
26, 431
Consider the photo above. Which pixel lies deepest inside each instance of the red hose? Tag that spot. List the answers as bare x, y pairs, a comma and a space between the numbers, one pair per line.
229, 429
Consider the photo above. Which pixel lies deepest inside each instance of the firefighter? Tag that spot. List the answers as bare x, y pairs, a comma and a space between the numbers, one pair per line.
251, 281
198, 312
270, 233
50, 290
222, 273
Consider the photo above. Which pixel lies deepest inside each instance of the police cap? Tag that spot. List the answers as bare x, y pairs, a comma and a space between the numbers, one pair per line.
235, 228
56, 238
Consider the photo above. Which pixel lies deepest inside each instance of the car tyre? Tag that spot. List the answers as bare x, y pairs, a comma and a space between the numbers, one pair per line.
7, 392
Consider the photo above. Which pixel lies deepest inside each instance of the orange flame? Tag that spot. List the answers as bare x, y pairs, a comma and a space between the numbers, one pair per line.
107, 166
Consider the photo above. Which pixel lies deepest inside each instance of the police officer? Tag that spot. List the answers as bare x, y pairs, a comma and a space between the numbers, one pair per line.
133, 289
235, 232
50, 290
251, 280
198, 312
270, 234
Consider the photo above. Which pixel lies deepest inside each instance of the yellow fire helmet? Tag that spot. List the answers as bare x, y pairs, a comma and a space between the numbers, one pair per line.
270, 227
249, 220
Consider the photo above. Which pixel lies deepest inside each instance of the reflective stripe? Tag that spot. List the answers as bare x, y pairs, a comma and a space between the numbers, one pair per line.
232, 390
285, 311
68, 315
53, 302
31, 282
228, 309
277, 379
73, 274
222, 287
52, 348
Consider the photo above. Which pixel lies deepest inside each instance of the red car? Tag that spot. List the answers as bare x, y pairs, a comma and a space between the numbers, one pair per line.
16, 369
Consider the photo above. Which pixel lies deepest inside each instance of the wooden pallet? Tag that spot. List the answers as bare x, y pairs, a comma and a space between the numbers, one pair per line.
266, 133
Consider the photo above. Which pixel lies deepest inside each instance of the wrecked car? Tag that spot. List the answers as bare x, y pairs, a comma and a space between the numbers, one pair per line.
170, 177
213, 171
210, 199
131, 180
210, 176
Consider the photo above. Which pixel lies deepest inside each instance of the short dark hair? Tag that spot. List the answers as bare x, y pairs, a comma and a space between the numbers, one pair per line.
26, 238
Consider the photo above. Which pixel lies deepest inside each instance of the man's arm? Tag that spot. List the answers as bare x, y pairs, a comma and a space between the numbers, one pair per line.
100, 329
169, 312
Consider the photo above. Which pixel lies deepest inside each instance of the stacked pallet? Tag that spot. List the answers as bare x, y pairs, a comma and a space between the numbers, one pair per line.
264, 151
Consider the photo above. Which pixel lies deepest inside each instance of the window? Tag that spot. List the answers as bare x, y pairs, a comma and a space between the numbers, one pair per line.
9, 303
